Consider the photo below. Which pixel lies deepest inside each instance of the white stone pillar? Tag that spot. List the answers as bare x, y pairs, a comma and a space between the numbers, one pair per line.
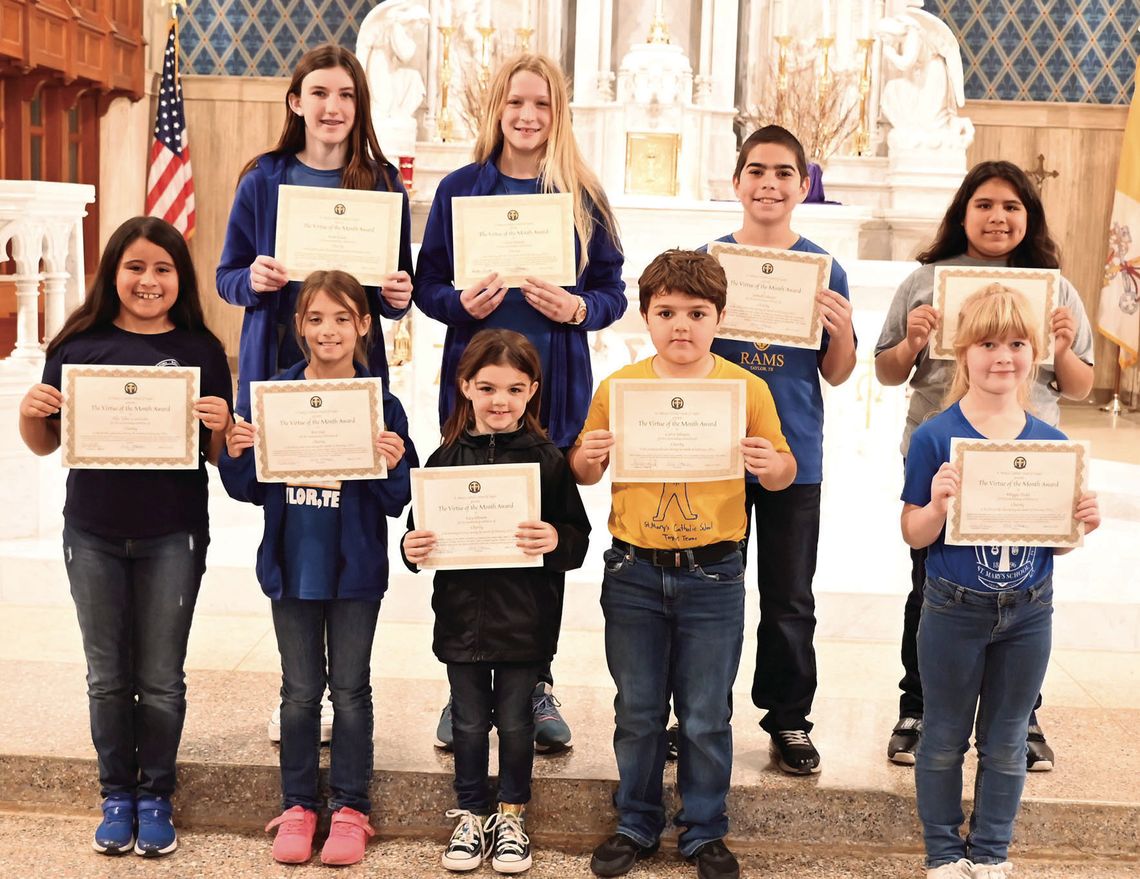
435, 10
587, 61
722, 65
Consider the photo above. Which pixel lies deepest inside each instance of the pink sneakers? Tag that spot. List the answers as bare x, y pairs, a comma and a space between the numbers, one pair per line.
294, 841
348, 835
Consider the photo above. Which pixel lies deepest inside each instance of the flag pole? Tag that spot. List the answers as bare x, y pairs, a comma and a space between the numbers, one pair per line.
1115, 406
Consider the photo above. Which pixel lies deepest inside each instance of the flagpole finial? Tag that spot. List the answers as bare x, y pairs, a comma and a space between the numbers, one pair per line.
175, 5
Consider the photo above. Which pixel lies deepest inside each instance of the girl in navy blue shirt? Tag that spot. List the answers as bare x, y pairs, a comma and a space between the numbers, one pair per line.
323, 561
986, 625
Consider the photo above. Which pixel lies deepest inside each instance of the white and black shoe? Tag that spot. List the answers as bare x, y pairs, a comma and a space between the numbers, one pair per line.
794, 752
468, 846
510, 850
904, 741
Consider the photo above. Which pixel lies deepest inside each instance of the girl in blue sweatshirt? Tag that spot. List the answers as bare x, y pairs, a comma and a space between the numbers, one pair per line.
327, 140
323, 561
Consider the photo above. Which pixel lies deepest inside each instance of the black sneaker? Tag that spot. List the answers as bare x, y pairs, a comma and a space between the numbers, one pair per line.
715, 861
794, 751
468, 845
617, 855
672, 741
904, 741
1039, 756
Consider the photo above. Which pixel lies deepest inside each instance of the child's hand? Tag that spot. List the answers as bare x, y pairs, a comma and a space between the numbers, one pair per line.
596, 445
1063, 326
397, 289
391, 446
920, 323
548, 300
536, 538
836, 313
240, 437
418, 545
944, 486
267, 275
41, 401
213, 412
760, 456
483, 297
1088, 511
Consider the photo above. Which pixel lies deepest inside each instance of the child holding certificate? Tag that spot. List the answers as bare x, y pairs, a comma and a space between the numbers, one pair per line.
496, 628
995, 219
328, 141
323, 561
770, 179
673, 586
134, 540
986, 625
526, 146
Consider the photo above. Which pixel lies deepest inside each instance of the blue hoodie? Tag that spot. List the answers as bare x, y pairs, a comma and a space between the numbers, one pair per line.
365, 505
567, 389
252, 230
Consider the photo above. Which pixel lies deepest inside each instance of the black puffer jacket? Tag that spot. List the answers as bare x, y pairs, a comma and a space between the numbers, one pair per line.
514, 614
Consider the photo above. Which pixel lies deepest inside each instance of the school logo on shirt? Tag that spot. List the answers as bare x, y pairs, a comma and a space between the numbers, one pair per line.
316, 402
474, 487
169, 361
761, 360
339, 209
1004, 567
131, 388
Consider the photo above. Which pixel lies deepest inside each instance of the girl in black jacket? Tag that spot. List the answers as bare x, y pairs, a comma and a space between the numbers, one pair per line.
495, 627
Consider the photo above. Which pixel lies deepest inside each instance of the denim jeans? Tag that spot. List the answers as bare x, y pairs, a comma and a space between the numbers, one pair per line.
135, 601
985, 653
483, 693
304, 628
910, 702
786, 532
673, 631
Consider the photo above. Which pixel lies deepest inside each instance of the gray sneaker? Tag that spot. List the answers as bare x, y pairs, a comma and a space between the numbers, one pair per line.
444, 740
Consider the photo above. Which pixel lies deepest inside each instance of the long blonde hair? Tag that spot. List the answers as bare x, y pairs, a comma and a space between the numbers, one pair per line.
562, 168
993, 312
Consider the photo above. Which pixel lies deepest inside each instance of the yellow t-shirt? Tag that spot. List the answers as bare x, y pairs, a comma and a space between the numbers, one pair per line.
682, 515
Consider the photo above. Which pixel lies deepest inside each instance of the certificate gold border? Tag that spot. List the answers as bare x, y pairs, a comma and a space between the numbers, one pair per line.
294, 203
258, 392
464, 207
622, 392
942, 348
1074, 538
814, 339
479, 473
639, 176
188, 460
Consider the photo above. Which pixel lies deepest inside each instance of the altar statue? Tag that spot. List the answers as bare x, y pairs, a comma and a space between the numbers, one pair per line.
390, 38
923, 81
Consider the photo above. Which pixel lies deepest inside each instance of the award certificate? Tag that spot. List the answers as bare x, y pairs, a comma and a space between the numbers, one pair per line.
771, 294
677, 430
1017, 492
323, 430
129, 417
355, 230
475, 512
952, 284
518, 236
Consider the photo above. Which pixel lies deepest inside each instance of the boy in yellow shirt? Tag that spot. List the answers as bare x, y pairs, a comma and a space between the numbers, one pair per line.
673, 588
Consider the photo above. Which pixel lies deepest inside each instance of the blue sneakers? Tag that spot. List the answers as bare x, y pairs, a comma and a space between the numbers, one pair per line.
551, 732
156, 830
116, 833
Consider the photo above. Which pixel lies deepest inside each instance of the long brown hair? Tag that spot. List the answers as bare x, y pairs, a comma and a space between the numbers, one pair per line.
562, 168
343, 289
364, 160
994, 312
101, 305
1037, 250
494, 348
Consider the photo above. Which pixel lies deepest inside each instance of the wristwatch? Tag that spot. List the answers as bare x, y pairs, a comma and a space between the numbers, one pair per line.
580, 314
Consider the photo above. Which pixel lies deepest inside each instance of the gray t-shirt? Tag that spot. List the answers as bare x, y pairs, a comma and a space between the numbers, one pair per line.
931, 378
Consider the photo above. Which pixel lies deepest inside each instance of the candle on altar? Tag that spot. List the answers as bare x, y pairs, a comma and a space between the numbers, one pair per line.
867, 23
485, 14
445, 18
827, 18
784, 18
526, 14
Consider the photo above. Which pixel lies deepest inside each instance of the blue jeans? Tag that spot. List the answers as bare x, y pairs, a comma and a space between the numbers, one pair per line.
135, 601
986, 653
303, 629
673, 631
482, 692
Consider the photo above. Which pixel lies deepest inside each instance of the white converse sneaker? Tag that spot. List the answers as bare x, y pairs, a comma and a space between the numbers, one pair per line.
468, 845
960, 869
993, 871
273, 728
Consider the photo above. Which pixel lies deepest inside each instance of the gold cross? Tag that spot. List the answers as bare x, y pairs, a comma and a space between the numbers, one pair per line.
1039, 174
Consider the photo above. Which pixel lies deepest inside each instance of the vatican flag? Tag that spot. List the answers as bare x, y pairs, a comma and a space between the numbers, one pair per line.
1118, 318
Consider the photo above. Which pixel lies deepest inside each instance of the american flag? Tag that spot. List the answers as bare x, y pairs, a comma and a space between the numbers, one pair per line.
170, 184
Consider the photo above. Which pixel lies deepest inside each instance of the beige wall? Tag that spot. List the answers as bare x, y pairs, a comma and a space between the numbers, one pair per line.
1082, 143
